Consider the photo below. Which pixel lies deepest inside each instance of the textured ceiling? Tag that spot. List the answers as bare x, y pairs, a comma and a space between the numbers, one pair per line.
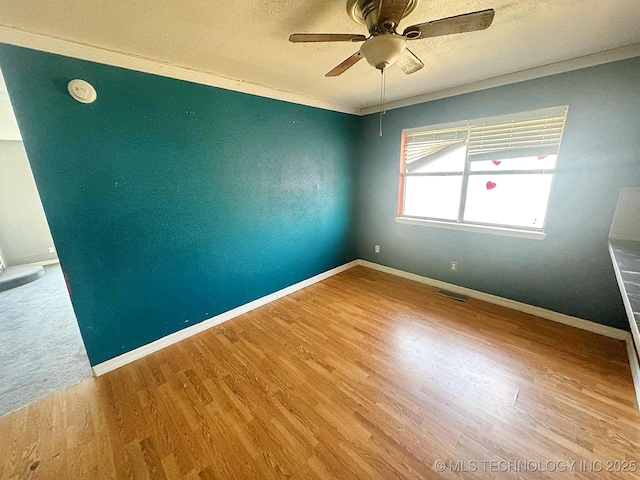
248, 39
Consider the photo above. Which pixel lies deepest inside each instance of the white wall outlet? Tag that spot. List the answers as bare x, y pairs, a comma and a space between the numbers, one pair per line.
376, 248
52, 249
454, 265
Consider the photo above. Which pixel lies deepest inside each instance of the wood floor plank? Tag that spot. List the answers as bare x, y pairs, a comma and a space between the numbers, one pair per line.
363, 375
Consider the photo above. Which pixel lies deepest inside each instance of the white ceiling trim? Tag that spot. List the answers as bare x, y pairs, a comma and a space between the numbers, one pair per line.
67, 48
592, 60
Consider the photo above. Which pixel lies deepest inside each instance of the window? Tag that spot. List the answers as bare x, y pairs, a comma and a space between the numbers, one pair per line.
491, 174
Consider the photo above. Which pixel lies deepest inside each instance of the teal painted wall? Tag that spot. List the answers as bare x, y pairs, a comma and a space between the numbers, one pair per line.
172, 202
568, 272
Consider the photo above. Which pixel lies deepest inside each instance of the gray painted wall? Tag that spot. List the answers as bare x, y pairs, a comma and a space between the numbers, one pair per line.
626, 218
24, 232
568, 272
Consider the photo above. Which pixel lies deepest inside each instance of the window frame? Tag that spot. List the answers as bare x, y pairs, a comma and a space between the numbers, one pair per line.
466, 173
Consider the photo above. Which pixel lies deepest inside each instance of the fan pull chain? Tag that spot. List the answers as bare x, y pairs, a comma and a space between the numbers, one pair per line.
383, 87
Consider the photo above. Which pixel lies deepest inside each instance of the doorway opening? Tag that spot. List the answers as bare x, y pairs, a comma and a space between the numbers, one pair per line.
41, 349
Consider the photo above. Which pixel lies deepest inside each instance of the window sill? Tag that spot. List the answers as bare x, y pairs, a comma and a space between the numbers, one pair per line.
509, 232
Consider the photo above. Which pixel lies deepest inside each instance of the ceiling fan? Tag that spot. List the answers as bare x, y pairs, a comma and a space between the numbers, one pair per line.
384, 46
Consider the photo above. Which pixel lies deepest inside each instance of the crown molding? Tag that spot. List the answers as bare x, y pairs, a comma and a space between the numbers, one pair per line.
49, 44
46, 43
591, 60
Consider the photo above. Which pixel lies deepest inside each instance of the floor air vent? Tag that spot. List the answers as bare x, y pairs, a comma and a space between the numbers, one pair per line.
452, 295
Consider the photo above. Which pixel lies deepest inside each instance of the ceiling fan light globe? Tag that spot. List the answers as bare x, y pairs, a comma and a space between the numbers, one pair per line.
383, 50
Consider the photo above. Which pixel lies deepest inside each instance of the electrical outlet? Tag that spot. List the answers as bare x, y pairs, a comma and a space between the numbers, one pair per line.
52, 249
454, 265
376, 248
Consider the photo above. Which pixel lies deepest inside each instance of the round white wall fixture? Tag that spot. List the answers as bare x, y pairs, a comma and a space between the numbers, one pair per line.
82, 91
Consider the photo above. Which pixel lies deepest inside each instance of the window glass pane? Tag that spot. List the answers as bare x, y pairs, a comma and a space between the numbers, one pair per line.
433, 197
452, 162
547, 162
515, 200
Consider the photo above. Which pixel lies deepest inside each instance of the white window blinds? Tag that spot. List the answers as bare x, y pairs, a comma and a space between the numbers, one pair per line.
526, 134
422, 149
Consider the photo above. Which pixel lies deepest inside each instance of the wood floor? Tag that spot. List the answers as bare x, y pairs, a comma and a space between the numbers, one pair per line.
363, 375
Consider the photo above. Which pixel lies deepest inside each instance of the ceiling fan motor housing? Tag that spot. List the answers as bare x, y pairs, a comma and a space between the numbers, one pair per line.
366, 13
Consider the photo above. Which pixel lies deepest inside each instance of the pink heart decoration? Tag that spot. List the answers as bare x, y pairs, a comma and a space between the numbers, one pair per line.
496, 162
490, 185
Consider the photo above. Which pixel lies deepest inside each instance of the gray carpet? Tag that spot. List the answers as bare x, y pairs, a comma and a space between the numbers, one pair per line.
41, 350
13, 277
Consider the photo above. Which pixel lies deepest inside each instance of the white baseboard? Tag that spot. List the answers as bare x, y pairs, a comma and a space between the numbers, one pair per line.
120, 360
635, 366
44, 263
125, 358
526, 308
505, 302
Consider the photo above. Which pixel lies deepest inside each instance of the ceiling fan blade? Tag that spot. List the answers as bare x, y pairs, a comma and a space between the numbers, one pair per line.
390, 13
468, 22
326, 37
408, 62
344, 66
